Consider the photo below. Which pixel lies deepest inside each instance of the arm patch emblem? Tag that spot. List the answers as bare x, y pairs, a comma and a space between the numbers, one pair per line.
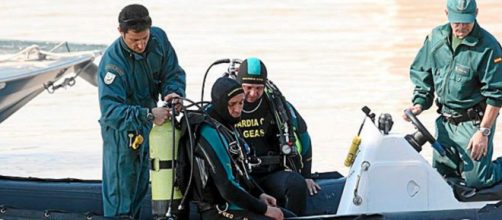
109, 77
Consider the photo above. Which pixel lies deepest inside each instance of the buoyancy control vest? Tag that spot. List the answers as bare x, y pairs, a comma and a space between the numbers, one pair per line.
191, 124
286, 121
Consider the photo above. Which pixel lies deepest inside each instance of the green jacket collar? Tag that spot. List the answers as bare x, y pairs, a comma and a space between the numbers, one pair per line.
471, 40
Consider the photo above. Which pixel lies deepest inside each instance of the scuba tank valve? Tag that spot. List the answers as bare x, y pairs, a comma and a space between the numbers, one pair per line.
233, 68
231, 71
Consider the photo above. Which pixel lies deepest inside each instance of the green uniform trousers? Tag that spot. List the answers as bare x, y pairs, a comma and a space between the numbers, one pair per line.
125, 175
478, 174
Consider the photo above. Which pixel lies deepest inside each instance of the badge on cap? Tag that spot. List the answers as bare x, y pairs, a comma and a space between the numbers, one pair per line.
461, 6
497, 60
109, 77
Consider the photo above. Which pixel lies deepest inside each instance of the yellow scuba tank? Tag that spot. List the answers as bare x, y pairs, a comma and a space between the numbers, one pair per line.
161, 170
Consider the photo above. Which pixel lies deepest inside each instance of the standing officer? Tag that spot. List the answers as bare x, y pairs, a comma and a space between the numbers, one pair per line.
138, 67
460, 63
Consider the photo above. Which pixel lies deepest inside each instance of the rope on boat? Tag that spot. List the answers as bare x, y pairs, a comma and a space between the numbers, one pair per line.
26, 54
34, 53
61, 44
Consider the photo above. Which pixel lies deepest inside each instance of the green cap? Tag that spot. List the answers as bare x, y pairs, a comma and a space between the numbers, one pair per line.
461, 11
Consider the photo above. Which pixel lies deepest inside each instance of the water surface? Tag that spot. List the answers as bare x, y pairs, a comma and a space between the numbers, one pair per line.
329, 57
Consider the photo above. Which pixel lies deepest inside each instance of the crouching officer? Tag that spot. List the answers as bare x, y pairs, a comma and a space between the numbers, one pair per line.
461, 63
223, 187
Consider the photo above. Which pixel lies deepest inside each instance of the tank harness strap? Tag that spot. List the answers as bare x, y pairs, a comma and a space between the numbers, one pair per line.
156, 164
286, 124
204, 206
271, 160
238, 159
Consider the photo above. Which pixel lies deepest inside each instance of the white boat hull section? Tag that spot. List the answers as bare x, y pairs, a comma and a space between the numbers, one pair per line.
389, 175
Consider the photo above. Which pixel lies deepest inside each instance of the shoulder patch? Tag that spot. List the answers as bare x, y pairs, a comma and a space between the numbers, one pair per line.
114, 68
497, 60
109, 77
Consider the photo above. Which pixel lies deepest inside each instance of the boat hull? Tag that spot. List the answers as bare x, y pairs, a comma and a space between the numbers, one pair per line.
33, 196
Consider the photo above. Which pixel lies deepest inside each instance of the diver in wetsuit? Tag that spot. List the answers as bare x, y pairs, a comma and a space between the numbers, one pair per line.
223, 187
284, 156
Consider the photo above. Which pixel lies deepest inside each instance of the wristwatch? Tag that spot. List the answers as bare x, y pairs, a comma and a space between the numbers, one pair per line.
485, 131
150, 115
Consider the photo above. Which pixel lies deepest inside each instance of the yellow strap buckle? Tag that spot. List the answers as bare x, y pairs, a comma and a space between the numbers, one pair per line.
138, 140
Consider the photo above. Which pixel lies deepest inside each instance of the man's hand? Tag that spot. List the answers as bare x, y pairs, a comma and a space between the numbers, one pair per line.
478, 145
269, 200
160, 115
312, 186
274, 213
174, 98
416, 110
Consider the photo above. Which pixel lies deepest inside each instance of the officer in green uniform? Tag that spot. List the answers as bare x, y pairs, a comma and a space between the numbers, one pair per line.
461, 63
136, 68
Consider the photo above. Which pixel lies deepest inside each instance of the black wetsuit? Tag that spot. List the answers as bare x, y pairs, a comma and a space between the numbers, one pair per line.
259, 130
220, 178
258, 127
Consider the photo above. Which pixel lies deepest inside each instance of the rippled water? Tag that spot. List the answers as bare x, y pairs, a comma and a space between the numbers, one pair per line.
329, 57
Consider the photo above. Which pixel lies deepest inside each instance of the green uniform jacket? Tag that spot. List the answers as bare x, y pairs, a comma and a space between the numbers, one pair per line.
130, 84
460, 79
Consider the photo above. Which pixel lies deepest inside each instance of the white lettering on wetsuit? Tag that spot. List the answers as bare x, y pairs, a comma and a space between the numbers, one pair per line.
252, 128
